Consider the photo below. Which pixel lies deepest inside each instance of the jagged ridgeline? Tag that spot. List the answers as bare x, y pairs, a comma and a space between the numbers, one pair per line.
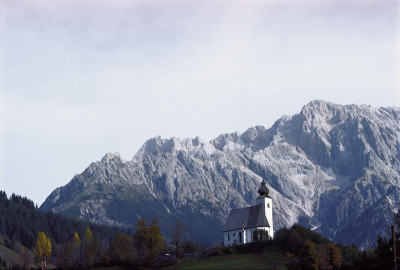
332, 168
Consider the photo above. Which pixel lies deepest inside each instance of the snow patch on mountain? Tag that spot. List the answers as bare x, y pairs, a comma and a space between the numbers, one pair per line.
330, 166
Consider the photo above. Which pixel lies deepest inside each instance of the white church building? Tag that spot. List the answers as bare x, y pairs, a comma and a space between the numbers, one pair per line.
241, 223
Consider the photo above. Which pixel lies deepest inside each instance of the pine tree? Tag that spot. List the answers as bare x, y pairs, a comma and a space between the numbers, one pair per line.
3, 227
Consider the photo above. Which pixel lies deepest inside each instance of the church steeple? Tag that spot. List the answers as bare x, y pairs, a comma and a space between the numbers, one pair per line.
266, 205
263, 190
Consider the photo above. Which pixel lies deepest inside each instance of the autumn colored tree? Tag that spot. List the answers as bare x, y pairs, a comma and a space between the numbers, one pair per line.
42, 247
148, 240
122, 247
156, 243
140, 237
334, 256
308, 256
90, 247
76, 249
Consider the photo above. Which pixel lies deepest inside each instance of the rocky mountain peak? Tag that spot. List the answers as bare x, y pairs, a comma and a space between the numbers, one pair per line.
110, 157
330, 167
173, 145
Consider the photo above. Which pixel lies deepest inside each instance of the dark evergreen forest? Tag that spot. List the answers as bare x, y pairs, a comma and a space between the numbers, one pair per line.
21, 221
71, 243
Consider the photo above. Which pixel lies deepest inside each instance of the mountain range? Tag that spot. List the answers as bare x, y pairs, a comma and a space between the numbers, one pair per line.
332, 168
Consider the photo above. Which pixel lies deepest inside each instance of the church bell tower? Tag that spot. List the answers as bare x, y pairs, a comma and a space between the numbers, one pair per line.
266, 205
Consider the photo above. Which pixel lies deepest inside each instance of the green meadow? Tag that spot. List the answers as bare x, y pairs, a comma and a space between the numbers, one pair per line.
262, 260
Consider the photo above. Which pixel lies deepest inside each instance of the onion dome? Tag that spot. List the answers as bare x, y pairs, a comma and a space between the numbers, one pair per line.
263, 190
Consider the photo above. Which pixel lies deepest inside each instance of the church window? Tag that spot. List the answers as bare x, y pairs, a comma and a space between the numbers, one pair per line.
229, 237
233, 234
268, 205
240, 237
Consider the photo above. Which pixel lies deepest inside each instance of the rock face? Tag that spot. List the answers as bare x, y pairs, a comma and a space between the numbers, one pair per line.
332, 168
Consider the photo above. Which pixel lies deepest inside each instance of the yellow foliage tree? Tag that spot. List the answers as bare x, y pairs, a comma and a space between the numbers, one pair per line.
140, 238
76, 249
156, 241
42, 248
148, 240
90, 246
334, 256
122, 247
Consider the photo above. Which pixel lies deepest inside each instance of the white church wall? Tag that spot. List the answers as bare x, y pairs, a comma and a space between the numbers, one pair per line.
231, 236
268, 211
249, 235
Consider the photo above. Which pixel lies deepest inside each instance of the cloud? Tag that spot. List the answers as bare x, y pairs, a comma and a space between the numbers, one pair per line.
84, 78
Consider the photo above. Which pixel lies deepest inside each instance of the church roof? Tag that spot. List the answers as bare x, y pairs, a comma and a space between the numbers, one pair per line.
246, 218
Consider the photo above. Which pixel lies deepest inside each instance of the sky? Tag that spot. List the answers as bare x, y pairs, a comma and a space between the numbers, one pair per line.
79, 79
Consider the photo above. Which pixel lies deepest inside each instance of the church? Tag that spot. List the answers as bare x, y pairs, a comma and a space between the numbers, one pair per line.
244, 225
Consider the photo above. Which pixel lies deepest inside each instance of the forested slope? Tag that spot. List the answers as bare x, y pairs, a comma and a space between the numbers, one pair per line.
21, 221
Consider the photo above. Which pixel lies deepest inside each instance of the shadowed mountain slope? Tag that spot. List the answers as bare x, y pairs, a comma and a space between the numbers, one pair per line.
333, 168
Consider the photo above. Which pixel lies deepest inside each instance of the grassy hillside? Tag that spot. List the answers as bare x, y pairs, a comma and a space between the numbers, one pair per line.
9, 258
263, 260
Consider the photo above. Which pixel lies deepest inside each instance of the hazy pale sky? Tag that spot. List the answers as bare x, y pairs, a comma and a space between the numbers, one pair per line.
83, 78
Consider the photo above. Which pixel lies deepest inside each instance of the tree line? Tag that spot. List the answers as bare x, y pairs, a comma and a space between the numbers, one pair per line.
305, 249
21, 222
70, 243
